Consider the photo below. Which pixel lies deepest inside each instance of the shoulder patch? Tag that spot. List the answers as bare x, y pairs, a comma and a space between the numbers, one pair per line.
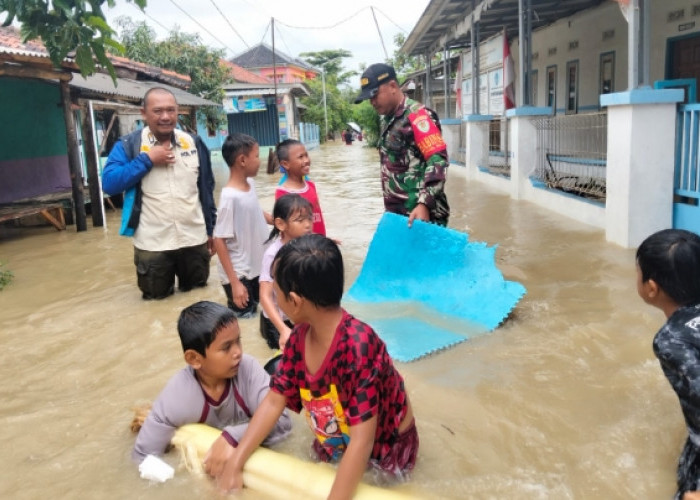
427, 136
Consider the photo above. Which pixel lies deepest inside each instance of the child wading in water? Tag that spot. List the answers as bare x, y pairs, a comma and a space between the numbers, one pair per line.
668, 277
220, 386
241, 227
337, 369
292, 217
294, 158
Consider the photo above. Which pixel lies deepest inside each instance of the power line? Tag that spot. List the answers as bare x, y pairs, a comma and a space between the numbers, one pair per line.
229, 23
323, 27
200, 25
390, 19
149, 17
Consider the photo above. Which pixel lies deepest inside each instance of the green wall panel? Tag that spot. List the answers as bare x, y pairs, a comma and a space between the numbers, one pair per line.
32, 124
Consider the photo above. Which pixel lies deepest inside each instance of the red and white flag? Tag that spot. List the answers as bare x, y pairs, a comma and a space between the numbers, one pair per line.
508, 75
458, 87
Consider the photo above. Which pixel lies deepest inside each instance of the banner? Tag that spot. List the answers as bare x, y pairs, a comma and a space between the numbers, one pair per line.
508, 75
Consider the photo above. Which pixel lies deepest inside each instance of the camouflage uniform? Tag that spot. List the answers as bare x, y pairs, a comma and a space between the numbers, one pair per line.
408, 178
677, 346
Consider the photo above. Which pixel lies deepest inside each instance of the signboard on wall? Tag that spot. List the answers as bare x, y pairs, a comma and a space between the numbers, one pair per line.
244, 104
490, 78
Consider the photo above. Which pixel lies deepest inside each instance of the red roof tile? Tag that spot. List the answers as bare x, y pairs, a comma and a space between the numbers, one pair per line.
11, 43
242, 75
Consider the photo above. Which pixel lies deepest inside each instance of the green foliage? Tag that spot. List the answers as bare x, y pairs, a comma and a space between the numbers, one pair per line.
367, 118
402, 63
65, 26
330, 61
184, 53
338, 104
5, 276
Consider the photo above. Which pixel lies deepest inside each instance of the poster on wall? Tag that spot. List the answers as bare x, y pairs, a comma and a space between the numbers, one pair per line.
244, 104
490, 78
466, 97
496, 92
484, 94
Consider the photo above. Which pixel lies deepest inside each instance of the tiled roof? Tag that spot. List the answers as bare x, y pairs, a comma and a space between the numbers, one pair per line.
11, 43
242, 75
260, 56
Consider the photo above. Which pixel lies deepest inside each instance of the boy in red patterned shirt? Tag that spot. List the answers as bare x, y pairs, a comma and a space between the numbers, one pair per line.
337, 369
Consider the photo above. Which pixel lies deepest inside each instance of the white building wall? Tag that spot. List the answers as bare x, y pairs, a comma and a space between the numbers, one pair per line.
581, 38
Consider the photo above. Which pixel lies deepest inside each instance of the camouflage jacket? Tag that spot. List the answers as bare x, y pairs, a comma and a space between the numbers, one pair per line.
413, 161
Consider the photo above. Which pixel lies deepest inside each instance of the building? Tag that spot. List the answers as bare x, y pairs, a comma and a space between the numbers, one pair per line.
275, 65
59, 127
603, 126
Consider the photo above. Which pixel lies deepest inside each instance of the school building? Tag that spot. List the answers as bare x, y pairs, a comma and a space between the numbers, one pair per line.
605, 127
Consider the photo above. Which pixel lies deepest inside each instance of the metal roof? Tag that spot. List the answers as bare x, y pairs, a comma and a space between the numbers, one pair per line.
133, 90
448, 22
241, 89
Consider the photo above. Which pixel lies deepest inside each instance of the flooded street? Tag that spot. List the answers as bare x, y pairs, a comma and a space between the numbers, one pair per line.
565, 400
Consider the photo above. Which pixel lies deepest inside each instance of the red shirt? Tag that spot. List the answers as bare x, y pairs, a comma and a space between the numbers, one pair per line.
359, 367
309, 193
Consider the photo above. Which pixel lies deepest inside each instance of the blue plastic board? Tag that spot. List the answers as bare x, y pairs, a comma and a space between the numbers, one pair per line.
407, 339
438, 268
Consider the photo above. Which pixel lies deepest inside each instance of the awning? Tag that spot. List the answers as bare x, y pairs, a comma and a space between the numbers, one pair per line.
447, 23
133, 90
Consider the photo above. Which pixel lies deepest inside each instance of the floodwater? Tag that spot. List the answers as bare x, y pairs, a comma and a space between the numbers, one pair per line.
565, 400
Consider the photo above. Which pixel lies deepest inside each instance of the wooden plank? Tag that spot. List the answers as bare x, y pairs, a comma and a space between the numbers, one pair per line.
55, 222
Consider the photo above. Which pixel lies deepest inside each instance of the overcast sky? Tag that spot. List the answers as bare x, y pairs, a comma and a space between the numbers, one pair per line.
300, 25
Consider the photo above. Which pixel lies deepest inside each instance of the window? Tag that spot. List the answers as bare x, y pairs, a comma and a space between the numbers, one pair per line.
572, 87
607, 73
551, 100
533, 88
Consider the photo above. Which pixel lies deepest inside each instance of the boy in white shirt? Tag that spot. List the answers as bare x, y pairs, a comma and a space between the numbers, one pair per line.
241, 228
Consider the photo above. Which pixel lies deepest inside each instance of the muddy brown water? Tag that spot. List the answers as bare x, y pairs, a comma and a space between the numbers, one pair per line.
565, 400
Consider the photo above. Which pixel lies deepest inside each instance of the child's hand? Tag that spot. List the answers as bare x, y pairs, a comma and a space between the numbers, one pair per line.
230, 479
240, 294
217, 456
284, 337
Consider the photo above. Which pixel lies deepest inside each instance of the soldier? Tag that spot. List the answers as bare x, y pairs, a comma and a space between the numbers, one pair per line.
412, 151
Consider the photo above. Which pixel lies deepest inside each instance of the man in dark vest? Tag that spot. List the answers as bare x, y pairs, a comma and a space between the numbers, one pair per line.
169, 198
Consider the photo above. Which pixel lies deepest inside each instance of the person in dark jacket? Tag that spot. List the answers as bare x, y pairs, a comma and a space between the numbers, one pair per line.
168, 201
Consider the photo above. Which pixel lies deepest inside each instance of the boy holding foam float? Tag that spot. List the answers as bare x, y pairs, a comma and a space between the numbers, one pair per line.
338, 370
220, 386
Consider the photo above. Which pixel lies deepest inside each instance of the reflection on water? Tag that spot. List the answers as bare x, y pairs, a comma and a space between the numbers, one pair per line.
565, 400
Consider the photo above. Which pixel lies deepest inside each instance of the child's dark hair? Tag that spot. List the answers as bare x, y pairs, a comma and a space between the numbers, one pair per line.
199, 323
236, 144
312, 267
672, 259
286, 206
282, 149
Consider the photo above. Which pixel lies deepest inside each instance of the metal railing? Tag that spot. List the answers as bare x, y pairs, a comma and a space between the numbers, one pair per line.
499, 147
572, 153
687, 164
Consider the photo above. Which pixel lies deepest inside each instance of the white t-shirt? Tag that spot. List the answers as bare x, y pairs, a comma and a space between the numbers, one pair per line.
266, 271
241, 223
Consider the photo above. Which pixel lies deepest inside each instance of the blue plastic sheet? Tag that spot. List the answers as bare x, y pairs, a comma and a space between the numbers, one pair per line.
450, 288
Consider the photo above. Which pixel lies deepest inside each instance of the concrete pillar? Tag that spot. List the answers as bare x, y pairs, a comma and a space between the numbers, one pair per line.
523, 146
476, 142
640, 163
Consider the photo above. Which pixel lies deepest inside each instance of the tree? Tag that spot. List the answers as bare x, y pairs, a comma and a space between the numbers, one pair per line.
404, 64
184, 53
65, 26
338, 107
330, 61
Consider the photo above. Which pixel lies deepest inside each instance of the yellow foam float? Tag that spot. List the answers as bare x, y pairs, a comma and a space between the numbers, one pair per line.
274, 474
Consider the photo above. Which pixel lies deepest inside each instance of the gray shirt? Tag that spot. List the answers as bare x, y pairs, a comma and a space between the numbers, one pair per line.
183, 401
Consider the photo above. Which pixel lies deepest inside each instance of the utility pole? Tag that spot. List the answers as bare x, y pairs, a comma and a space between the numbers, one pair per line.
325, 109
